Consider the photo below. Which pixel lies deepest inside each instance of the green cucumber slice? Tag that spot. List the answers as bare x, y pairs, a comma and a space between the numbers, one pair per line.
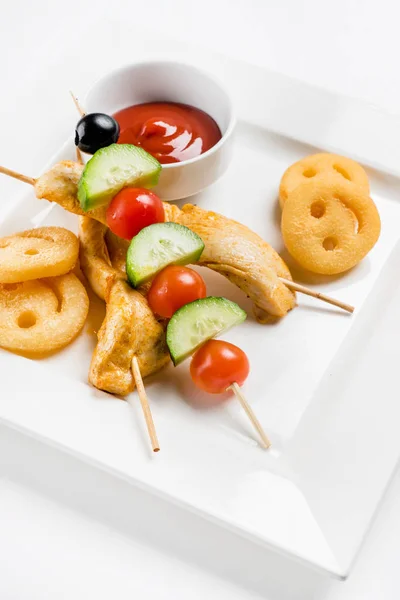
112, 168
159, 245
199, 321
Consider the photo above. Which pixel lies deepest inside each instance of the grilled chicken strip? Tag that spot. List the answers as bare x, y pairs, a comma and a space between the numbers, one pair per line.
94, 258
129, 328
227, 241
117, 249
231, 248
60, 185
236, 252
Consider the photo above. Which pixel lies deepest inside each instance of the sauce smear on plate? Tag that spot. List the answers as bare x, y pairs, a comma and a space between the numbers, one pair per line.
171, 132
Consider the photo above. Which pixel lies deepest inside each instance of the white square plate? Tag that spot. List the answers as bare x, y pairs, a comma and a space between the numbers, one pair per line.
322, 382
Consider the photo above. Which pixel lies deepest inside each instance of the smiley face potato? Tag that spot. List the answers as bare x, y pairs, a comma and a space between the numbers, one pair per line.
329, 225
42, 316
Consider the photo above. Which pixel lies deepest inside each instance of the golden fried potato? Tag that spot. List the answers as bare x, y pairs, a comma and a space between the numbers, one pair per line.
318, 225
319, 166
37, 253
37, 317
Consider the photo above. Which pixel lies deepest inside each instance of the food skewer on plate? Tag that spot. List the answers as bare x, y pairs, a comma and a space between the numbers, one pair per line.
105, 130
217, 366
107, 126
130, 326
265, 282
131, 343
135, 368
179, 294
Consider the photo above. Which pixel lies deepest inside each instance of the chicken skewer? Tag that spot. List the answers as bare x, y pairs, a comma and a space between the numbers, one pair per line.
240, 241
281, 299
295, 287
131, 343
135, 367
102, 291
252, 265
257, 278
114, 346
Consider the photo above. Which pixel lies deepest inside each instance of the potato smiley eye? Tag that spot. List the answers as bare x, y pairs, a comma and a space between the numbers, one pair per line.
330, 243
339, 169
27, 319
317, 209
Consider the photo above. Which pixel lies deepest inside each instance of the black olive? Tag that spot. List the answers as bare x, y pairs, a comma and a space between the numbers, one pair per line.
95, 131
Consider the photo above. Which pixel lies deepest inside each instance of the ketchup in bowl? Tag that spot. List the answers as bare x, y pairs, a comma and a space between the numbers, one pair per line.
171, 132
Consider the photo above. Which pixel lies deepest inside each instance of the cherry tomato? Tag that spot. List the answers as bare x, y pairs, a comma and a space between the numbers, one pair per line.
217, 364
174, 287
131, 210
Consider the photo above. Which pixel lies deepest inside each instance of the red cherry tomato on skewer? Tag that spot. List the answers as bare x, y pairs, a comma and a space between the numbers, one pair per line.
215, 367
173, 287
131, 210
217, 364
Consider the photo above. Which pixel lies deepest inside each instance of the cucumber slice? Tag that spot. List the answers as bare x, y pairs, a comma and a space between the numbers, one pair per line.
112, 168
159, 245
199, 321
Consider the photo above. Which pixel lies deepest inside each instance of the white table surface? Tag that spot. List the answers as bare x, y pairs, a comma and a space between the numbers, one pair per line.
48, 549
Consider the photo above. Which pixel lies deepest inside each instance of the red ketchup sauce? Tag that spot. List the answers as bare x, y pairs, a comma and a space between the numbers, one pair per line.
171, 132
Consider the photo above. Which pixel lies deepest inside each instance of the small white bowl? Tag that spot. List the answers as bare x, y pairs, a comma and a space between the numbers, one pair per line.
172, 82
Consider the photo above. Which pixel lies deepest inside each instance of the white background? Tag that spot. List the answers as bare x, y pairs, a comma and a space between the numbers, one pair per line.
46, 549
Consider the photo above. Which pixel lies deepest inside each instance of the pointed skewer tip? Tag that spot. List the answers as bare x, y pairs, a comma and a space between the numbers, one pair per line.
266, 442
145, 404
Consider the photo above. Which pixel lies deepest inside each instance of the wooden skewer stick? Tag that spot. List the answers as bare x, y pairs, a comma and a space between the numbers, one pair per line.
79, 157
145, 404
266, 443
18, 176
296, 287
82, 113
290, 284
78, 106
